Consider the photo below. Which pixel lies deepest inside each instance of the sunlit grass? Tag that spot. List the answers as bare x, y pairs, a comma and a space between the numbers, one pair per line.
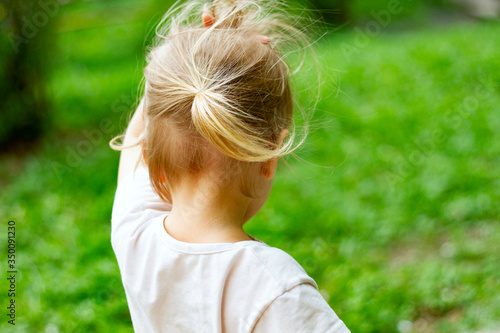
392, 231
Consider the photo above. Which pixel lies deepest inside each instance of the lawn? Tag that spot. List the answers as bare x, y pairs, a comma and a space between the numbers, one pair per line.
391, 205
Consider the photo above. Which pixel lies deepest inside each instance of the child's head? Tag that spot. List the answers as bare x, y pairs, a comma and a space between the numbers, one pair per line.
217, 100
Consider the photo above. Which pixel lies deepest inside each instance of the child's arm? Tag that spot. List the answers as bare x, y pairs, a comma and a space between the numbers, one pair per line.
130, 156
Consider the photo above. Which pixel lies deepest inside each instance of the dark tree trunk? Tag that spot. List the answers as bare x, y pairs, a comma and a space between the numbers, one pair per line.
24, 109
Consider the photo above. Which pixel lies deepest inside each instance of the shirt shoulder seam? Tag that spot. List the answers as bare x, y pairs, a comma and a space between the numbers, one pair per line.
274, 300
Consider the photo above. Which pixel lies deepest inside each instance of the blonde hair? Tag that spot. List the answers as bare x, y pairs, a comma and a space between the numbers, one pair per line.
218, 94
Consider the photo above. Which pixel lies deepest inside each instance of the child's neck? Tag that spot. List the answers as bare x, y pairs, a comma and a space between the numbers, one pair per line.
206, 213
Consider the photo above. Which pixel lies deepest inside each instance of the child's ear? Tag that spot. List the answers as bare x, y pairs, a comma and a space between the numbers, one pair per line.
284, 133
144, 154
268, 168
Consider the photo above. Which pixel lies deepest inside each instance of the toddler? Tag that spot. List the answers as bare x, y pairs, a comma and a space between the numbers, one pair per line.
197, 162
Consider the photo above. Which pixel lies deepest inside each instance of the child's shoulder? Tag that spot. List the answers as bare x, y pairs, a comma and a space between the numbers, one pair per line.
261, 274
283, 268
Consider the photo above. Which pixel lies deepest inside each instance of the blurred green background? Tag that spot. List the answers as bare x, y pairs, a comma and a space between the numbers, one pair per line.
391, 206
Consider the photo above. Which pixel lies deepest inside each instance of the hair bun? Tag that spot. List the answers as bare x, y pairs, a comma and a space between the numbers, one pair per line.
228, 14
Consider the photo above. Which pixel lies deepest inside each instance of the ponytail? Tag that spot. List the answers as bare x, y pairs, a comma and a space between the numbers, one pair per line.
222, 125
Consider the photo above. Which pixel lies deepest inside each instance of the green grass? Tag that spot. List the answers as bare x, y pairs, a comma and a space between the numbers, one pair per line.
399, 223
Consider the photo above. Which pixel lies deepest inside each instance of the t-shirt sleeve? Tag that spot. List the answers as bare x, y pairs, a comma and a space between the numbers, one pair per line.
301, 309
136, 202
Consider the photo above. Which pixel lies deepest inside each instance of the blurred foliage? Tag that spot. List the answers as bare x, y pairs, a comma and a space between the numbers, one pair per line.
336, 11
402, 234
353, 12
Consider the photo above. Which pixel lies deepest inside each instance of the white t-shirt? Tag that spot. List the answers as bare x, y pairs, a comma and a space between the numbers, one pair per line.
174, 286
